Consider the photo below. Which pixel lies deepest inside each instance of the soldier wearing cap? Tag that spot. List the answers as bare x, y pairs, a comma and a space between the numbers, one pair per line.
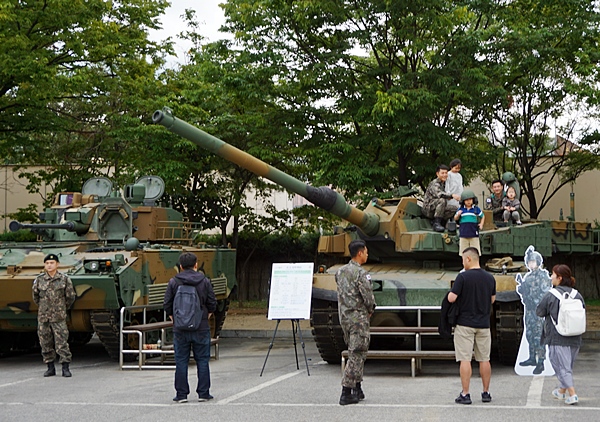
54, 294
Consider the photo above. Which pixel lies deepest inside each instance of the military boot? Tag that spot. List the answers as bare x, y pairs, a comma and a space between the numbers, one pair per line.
539, 368
437, 225
65, 368
358, 392
529, 362
51, 370
348, 396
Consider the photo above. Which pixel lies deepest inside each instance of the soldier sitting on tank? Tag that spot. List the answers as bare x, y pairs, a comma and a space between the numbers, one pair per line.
494, 202
510, 180
435, 202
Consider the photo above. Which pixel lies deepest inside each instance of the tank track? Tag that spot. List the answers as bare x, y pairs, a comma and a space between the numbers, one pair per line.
220, 315
509, 329
106, 327
327, 331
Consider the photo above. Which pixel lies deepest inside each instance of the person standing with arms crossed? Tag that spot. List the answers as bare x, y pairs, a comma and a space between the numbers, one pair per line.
197, 338
474, 291
356, 304
54, 294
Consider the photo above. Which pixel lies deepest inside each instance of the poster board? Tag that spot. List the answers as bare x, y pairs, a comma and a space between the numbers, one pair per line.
291, 290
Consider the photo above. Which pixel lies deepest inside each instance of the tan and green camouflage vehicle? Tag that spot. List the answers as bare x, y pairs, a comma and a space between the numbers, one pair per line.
119, 249
411, 265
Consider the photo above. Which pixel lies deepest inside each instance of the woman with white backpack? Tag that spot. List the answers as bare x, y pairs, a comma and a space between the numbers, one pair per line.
562, 348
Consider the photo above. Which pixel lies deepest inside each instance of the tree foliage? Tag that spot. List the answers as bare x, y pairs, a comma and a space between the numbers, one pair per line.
75, 85
387, 89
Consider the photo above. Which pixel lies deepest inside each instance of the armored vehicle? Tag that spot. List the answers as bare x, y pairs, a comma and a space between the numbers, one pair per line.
411, 265
119, 249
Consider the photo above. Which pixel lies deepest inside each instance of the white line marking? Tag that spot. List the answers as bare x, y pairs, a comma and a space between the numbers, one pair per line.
16, 382
258, 388
534, 395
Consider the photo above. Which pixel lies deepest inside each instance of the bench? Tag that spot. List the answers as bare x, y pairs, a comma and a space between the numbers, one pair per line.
415, 356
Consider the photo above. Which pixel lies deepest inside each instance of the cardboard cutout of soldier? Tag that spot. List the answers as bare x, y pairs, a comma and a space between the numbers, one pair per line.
532, 287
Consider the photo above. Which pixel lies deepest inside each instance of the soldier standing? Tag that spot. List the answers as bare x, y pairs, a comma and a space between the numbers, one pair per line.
532, 288
356, 304
54, 294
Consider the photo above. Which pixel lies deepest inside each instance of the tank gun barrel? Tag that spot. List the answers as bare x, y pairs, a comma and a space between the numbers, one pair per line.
322, 197
70, 226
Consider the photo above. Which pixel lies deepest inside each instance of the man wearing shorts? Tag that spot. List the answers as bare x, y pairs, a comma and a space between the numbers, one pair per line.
474, 291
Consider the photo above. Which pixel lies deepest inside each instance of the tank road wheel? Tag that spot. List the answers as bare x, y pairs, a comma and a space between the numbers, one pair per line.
327, 331
508, 317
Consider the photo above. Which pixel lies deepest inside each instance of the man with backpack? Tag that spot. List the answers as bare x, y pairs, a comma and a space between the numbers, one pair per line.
189, 302
562, 348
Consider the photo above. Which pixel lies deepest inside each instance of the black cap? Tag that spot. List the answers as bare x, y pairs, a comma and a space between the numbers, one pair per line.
51, 257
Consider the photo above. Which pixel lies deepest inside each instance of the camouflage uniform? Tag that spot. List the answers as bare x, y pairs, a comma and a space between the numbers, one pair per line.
532, 289
53, 295
355, 303
495, 205
435, 202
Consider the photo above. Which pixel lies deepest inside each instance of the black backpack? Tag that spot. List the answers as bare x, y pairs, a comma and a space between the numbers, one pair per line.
187, 312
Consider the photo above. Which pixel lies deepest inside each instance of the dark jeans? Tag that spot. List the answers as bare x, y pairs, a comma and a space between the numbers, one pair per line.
199, 342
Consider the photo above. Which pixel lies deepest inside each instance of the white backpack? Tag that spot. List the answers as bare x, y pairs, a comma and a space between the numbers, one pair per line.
571, 314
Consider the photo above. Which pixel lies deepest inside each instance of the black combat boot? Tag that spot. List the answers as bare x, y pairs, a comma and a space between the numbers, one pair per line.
348, 396
51, 370
437, 225
358, 392
66, 372
529, 362
539, 368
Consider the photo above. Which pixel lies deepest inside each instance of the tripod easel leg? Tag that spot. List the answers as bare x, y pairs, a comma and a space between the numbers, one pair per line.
270, 346
303, 348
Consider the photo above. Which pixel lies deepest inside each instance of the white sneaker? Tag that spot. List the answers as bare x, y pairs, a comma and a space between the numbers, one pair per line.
558, 395
572, 400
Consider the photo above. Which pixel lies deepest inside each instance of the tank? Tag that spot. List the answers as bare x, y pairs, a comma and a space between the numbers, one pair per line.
410, 264
120, 248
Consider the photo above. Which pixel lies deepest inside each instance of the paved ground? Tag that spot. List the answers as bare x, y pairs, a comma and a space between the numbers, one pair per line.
99, 391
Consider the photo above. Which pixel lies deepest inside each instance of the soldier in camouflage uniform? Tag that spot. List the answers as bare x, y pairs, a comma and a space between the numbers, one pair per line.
436, 201
532, 288
54, 294
494, 202
356, 304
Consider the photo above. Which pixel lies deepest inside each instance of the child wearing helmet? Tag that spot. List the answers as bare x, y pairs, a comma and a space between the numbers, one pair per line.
471, 219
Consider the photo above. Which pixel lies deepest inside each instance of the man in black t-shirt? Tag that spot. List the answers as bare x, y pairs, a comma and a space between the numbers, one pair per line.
474, 292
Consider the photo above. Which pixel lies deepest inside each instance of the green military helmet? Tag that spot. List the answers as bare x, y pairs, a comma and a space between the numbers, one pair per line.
508, 177
468, 194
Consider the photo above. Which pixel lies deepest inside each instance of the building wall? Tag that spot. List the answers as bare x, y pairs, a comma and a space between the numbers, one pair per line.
14, 195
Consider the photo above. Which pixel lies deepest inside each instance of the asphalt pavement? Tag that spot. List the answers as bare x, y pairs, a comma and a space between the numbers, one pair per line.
99, 391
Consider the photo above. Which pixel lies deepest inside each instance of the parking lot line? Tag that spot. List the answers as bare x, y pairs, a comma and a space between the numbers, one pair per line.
258, 387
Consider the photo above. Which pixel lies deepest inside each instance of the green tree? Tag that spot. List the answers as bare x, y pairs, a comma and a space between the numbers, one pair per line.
220, 91
76, 81
386, 89
550, 53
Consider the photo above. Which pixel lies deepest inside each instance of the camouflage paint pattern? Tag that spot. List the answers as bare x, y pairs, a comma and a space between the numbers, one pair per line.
106, 274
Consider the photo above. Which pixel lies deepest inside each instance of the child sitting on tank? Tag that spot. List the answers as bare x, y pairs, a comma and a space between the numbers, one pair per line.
511, 206
470, 219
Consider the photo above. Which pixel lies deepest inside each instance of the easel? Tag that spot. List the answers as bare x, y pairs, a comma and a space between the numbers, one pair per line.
295, 326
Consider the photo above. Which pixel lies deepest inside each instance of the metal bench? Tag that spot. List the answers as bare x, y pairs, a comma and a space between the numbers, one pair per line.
415, 356
144, 349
